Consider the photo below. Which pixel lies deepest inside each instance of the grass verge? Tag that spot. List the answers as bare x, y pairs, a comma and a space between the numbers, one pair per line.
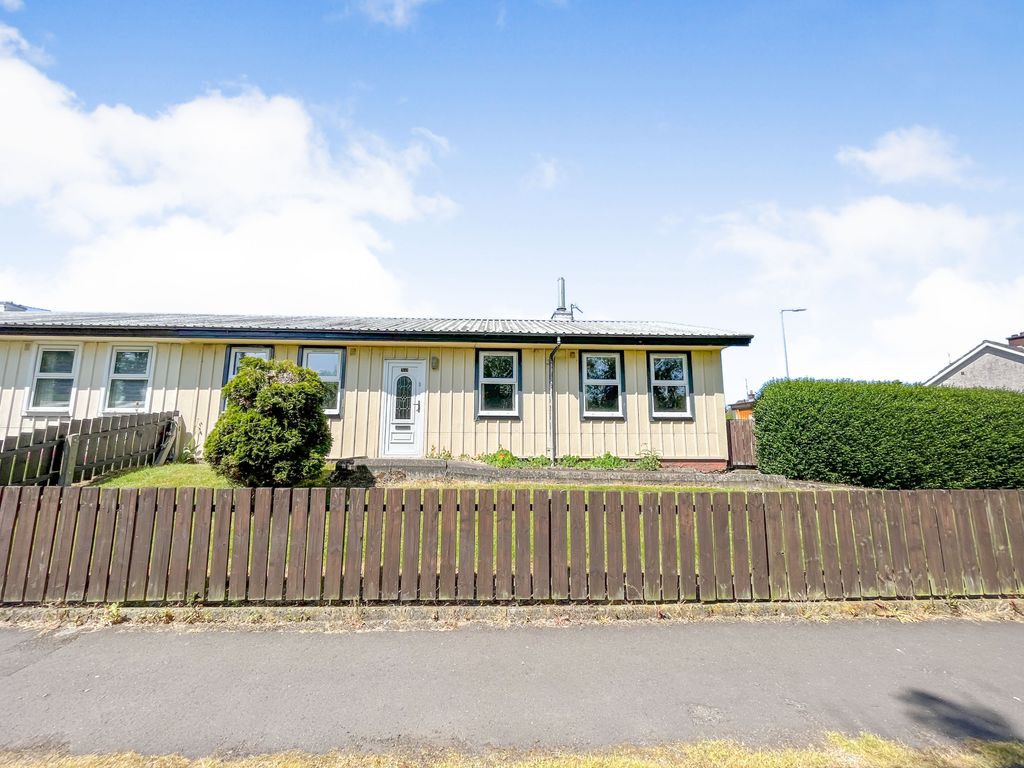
863, 751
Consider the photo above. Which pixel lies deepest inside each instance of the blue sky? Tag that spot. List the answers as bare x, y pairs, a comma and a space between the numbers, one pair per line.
706, 163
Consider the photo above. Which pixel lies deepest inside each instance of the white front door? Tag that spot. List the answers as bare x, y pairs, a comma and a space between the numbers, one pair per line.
403, 407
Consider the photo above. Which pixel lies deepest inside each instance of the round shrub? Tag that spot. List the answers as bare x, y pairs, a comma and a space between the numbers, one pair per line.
890, 435
273, 431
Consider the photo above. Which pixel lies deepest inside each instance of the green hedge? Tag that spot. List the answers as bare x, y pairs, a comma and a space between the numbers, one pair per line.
890, 435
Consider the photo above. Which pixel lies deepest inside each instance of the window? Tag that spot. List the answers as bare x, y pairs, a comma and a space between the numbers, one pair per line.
53, 381
128, 383
329, 365
670, 385
602, 384
499, 384
237, 354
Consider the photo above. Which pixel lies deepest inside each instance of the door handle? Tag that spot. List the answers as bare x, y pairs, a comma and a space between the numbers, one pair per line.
417, 407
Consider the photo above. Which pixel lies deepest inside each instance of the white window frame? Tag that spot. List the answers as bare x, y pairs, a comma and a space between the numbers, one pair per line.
652, 383
585, 381
513, 380
229, 374
339, 379
148, 377
34, 375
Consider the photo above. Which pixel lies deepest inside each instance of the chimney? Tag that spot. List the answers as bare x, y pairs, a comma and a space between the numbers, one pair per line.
1017, 340
561, 312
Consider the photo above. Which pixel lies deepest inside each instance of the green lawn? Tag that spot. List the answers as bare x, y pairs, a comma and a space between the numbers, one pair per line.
202, 476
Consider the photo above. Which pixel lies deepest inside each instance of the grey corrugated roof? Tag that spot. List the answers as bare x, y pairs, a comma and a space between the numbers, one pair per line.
397, 326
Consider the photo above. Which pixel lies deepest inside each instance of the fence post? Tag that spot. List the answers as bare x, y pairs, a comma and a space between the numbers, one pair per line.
70, 458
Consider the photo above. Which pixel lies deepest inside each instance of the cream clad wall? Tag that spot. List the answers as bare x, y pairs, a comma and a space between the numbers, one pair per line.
187, 376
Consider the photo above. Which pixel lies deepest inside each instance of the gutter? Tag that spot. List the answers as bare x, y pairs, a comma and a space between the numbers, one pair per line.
551, 399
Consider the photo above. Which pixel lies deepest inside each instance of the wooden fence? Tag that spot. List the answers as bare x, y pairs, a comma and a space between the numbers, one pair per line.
93, 545
742, 447
77, 450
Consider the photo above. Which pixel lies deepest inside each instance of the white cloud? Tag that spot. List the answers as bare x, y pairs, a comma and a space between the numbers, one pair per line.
12, 5
393, 13
892, 287
222, 203
547, 173
907, 155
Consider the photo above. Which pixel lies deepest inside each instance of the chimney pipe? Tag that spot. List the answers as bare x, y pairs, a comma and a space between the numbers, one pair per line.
561, 295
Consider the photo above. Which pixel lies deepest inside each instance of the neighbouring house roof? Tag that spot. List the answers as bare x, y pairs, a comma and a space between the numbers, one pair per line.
986, 347
365, 328
13, 306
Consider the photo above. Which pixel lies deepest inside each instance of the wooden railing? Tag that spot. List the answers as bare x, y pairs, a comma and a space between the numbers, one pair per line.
320, 545
77, 450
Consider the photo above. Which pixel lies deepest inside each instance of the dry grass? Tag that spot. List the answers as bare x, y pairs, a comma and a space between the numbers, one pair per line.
861, 752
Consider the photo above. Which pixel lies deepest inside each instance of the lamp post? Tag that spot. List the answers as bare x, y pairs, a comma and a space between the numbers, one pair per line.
782, 320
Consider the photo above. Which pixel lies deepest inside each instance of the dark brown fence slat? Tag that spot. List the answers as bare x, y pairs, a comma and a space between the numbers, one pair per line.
263, 504
869, 581
847, 544
124, 533
707, 589
335, 545
669, 520
559, 546
577, 546
106, 520
973, 584
85, 531
355, 523
830, 561
523, 582
892, 505
760, 587
952, 565
411, 517
242, 525
13, 590
723, 561
740, 546
616, 566
156, 589
178, 571
391, 562
374, 542
1001, 543
652, 547
39, 564
142, 544
687, 547
924, 504
298, 525
277, 552
917, 559
449, 545
880, 541
428, 567
597, 587
485, 555
1013, 509
634, 566
778, 582
466, 571
220, 545
978, 512
541, 546
199, 555
794, 548
809, 530
503, 553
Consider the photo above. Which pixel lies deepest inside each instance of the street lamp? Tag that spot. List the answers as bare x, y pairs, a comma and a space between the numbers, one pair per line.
782, 320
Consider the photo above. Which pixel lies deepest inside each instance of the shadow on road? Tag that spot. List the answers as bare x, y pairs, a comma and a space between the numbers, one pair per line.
955, 720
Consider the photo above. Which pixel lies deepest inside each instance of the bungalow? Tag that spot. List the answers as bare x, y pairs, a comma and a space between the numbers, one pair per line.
990, 365
398, 387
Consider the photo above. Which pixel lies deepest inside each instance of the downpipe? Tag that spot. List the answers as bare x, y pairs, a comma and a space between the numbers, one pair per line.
551, 400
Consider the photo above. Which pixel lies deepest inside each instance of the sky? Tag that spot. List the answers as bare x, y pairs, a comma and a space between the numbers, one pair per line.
706, 163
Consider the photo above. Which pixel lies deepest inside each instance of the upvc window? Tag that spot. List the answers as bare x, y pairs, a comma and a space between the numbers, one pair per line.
128, 382
329, 365
670, 385
237, 354
602, 384
499, 384
53, 379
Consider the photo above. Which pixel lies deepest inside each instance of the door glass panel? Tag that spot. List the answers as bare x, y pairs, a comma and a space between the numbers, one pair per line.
403, 397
